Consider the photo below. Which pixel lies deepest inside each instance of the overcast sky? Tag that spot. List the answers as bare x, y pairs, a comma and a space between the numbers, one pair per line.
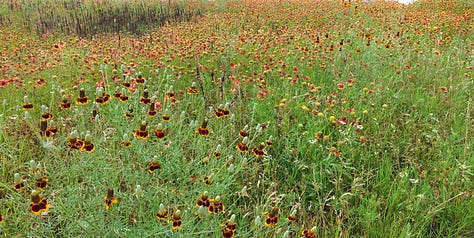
405, 1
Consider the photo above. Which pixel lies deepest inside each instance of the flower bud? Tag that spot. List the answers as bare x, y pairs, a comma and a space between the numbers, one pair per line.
44, 108
257, 221
35, 198
202, 211
17, 178
231, 168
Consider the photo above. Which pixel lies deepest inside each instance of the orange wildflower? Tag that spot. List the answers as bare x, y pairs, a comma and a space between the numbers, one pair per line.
203, 130
162, 213
18, 182
38, 204
152, 166
271, 217
142, 133
216, 205
110, 198
203, 200
176, 220
82, 99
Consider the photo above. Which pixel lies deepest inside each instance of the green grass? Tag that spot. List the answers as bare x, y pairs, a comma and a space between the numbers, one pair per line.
368, 140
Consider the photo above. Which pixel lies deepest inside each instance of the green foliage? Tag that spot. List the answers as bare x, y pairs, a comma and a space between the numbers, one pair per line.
364, 116
87, 18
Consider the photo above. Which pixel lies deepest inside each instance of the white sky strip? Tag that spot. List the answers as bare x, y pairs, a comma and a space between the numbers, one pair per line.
406, 2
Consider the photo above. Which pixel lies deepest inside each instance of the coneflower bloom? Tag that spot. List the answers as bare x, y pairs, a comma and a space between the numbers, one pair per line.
192, 89
216, 206
152, 110
52, 129
27, 105
140, 79
126, 142
152, 166
258, 151
41, 181
110, 198
176, 220
65, 104
225, 110
73, 142
271, 217
228, 231
102, 97
117, 93
142, 133
145, 98
87, 144
166, 116
82, 99
38, 204
162, 213
203, 200
218, 112
170, 95
159, 132
269, 142
244, 132
93, 115
126, 84
80, 143
242, 146
45, 116
203, 130
123, 97
18, 182
307, 233
217, 152
207, 180
292, 217
1, 219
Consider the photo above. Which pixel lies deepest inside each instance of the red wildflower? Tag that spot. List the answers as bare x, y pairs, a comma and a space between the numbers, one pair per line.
99, 84
41, 82
4, 83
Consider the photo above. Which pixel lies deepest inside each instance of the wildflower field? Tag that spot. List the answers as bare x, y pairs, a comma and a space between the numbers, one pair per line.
249, 118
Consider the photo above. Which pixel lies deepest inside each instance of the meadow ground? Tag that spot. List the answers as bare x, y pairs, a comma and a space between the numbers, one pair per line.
238, 119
